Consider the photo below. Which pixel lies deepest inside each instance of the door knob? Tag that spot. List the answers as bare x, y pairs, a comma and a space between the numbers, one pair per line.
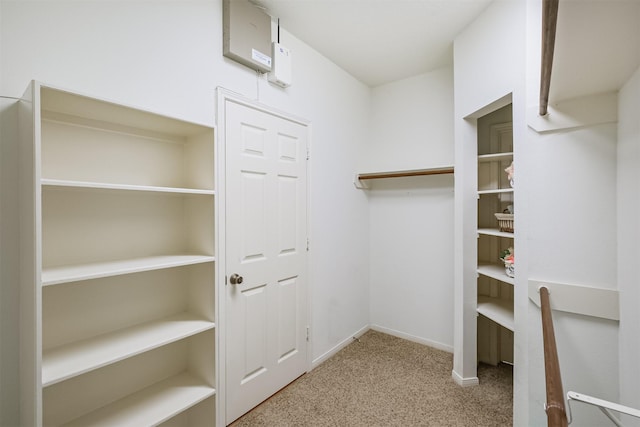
235, 279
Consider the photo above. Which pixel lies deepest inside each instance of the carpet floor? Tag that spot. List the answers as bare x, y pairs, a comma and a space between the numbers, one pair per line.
383, 380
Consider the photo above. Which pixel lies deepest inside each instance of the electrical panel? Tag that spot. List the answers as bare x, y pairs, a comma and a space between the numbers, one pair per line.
247, 34
281, 69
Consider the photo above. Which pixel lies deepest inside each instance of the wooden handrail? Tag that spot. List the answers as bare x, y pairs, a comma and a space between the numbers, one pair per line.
549, 21
556, 413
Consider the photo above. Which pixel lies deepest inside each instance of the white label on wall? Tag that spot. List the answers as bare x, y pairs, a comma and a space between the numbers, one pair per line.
261, 57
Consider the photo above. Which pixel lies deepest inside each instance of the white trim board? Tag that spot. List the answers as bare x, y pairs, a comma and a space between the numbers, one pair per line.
579, 299
464, 382
342, 344
408, 337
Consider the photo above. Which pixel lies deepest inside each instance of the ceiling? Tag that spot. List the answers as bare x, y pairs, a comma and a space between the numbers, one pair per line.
378, 41
381, 41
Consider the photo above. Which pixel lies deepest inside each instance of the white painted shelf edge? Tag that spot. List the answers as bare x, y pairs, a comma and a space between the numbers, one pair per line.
496, 191
498, 310
68, 361
47, 182
494, 157
73, 273
495, 271
495, 232
150, 406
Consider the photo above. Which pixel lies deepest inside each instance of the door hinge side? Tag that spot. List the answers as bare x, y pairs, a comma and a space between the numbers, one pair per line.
307, 244
307, 333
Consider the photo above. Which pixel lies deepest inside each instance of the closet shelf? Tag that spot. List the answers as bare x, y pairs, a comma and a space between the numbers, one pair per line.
150, 406
74, 273
495, 271
496, 191
494, 232
70, 360
498, 310
495, 157
124, 187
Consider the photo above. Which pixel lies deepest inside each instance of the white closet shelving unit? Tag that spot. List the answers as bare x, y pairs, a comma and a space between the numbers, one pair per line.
118, 268
495, 288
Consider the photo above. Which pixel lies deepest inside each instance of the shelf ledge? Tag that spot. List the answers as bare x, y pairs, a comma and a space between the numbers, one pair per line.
74, 273
494, 157
496, 191
495, 271
498, 310
71, 360
150, 406
579, 299
494, 232
359, 177
123, 187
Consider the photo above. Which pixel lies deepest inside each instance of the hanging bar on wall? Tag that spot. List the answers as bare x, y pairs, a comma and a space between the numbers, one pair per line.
401, 174
549, 21
361, 177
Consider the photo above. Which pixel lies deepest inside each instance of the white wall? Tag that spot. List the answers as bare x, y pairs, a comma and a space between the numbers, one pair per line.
412, 258
570, 180
166, 56
628, 181
411, 219
489, 72
565, 207
411, 123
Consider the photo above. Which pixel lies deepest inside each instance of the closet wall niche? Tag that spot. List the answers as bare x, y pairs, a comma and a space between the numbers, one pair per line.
118, 264
495, 323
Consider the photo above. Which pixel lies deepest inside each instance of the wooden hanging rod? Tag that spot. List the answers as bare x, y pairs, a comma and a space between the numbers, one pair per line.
400, 174
549, 21
556, 414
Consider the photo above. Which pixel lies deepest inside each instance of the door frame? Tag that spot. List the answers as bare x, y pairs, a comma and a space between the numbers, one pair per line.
223, 96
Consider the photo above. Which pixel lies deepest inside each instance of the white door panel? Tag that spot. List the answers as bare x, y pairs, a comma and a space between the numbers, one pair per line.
266, 233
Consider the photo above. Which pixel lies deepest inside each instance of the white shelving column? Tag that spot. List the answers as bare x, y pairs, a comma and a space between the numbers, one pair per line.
119, 290
495, 324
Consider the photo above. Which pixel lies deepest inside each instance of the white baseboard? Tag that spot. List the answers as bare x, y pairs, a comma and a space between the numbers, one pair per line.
464, 382
408, 337
338, 347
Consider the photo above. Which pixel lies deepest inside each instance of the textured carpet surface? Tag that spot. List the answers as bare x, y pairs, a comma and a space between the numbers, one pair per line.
387, 381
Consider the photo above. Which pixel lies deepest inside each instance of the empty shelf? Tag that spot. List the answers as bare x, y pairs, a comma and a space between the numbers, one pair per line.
494, 157
496, 191
123, 187
150, 406
495, 271
495, 232
498, 310
73, 273
70, 360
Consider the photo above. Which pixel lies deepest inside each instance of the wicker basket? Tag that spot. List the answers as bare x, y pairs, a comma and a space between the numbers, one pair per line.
505, 221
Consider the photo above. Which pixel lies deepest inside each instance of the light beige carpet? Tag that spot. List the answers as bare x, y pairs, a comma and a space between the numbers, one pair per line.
387, 381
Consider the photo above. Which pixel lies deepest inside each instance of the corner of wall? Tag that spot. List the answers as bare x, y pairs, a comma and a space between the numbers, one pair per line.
628, 211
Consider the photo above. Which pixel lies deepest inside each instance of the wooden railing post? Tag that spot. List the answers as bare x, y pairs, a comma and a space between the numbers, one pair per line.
556, 414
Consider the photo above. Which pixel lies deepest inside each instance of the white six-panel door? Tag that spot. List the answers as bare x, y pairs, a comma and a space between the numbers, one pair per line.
266, 251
